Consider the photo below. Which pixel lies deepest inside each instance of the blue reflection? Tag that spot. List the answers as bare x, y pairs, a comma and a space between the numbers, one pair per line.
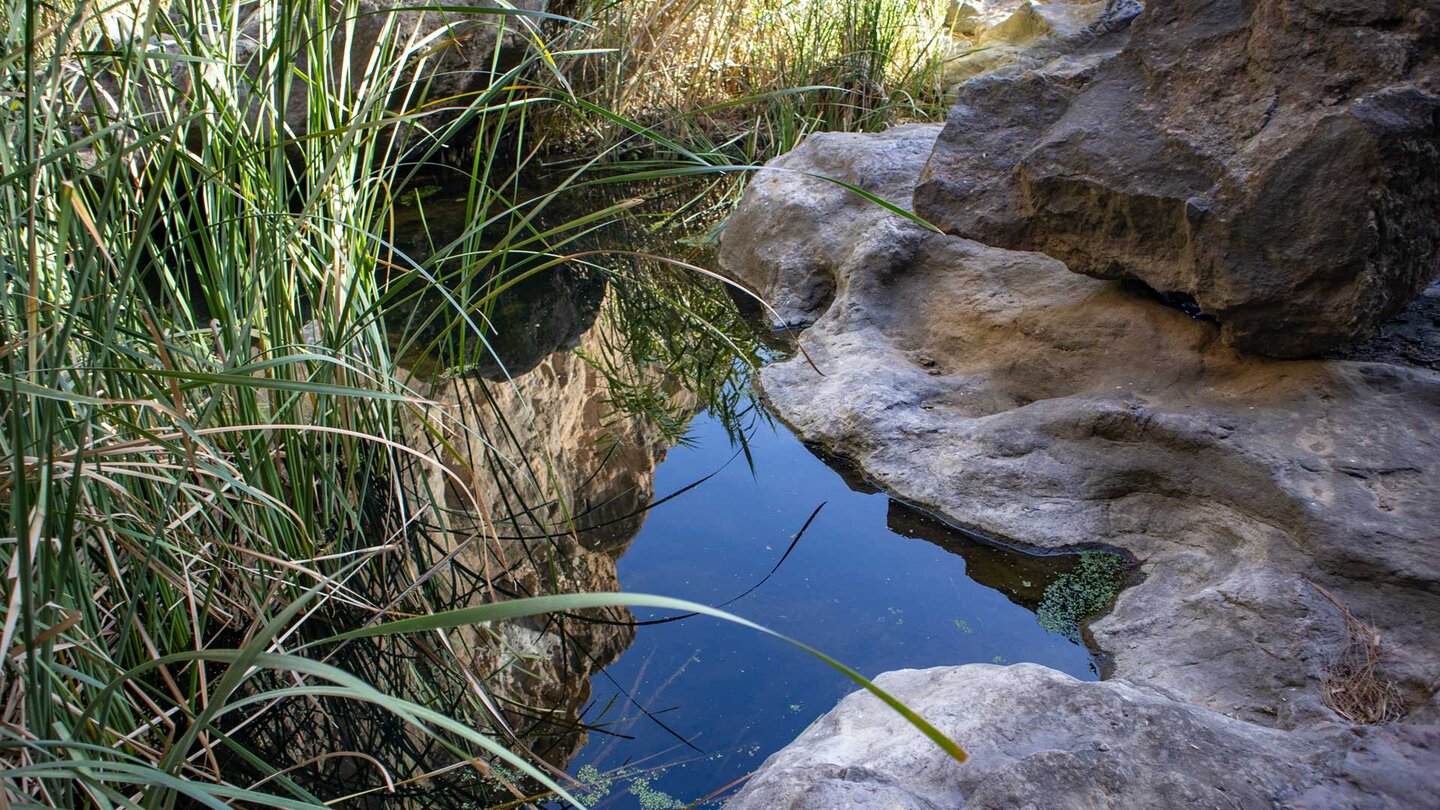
694, 705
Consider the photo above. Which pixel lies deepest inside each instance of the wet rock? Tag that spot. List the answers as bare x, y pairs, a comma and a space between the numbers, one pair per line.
1036, 738
1279, 161
1028, 402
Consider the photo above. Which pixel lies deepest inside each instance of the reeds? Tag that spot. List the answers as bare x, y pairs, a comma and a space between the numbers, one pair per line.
208, 438
214, 460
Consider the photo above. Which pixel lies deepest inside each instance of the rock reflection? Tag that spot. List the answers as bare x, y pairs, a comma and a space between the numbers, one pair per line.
565, 480
547, 438
1022, 577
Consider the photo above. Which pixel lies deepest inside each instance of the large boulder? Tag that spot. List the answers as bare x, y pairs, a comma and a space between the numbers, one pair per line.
1046, 408
1276, 160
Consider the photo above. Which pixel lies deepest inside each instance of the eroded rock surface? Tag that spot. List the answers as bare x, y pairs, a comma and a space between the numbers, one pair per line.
1277, 160
1039, 738
1031, 403
1011, 36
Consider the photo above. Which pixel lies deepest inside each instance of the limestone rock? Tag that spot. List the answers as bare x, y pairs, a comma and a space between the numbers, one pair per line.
1044, 407
965, 18
1026, 24
1278, 161
1007, 37
798, 226
1039, 738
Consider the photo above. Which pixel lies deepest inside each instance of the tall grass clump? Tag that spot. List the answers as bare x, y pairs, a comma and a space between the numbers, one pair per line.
752, 77
209, 448
218, 481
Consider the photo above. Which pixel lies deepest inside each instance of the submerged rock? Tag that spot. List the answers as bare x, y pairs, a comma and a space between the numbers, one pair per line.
1277, 160
1028, 402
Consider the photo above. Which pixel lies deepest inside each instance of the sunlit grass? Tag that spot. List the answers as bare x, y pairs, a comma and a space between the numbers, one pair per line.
752, 77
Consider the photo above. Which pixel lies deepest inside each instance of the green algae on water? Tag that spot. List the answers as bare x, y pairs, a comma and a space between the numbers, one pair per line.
1082, 592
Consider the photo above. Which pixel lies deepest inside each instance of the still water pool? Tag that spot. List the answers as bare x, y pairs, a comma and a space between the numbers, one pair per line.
696, 704
582, 368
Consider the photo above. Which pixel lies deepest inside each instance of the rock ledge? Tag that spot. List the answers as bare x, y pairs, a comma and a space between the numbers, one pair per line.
1036, 405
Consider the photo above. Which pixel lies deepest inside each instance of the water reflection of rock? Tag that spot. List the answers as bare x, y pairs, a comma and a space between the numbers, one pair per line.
542, 314
1021, 577
1024, 577
1064, 590
542, 488
555, 483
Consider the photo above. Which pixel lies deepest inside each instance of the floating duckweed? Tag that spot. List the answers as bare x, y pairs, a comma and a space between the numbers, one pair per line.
597, 785
1088, 589
651, 799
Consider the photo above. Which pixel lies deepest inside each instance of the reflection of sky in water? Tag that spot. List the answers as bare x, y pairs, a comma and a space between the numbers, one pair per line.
852, 587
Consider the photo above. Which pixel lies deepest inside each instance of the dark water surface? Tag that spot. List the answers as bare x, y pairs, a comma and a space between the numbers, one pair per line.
871, 582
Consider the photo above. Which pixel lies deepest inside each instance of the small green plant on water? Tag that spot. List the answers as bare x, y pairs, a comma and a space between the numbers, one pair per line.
1088, 589
652, 799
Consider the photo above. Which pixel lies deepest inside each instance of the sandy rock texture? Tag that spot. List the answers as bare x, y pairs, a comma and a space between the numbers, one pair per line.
1053, 409
1010, 35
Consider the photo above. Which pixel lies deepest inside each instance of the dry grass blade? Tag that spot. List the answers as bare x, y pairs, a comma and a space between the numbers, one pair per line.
1354, 687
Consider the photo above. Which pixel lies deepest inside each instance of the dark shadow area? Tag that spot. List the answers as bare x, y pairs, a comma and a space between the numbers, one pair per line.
1411, 338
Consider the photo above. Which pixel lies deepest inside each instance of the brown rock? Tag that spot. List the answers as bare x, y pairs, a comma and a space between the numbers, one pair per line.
1278, 161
